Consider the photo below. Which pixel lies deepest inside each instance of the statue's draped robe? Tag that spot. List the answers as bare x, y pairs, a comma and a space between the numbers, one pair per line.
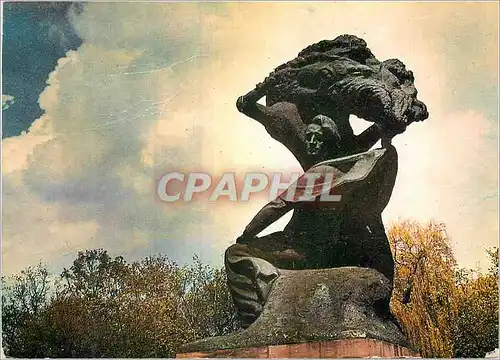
320, 234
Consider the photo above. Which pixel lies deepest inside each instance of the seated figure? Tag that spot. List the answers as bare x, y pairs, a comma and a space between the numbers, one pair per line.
331, 79
345, 231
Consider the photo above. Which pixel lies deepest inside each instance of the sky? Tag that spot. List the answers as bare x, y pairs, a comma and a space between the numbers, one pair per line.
111, 96
36, 35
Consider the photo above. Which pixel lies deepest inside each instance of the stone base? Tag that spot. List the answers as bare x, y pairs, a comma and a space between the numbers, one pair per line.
346, 348
311, 306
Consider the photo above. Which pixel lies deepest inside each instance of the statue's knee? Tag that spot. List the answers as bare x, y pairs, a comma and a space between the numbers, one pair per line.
235, 251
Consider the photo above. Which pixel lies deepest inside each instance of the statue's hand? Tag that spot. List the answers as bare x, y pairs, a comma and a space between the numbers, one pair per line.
388, 131
240, 103
396, 129
419, 111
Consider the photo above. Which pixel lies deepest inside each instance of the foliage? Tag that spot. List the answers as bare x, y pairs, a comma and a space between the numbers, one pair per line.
477, 323
105, 307
24, 298
425, 266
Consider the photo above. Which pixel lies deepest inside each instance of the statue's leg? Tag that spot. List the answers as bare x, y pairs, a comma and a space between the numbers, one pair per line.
377, 255
251, 272
377, 250
249, 278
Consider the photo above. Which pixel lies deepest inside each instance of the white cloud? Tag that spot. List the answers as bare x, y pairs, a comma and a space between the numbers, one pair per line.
78, 178
7, 101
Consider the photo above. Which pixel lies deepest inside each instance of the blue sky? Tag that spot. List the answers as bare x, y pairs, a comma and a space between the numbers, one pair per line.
36, 35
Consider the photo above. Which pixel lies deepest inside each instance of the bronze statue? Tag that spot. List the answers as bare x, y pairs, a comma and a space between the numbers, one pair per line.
328, 275
309, 101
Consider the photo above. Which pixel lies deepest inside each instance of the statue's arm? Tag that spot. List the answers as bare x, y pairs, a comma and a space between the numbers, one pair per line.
265, 217
247, 104
368, 138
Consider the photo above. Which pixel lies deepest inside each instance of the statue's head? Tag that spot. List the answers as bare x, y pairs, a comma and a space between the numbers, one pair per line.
322, 137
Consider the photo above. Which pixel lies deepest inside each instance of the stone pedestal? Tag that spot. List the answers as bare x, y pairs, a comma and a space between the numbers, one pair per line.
347, 348
340, 312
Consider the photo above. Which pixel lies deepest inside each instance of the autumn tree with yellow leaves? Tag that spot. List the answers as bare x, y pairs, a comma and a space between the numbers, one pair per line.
445, 311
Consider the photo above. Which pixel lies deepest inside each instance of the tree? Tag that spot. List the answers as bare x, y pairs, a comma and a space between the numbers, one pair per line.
92, 286
106, 307
445, 311
206, 303
94, 274
24, 298
424, 297
150, 315
477, 324
165, 305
